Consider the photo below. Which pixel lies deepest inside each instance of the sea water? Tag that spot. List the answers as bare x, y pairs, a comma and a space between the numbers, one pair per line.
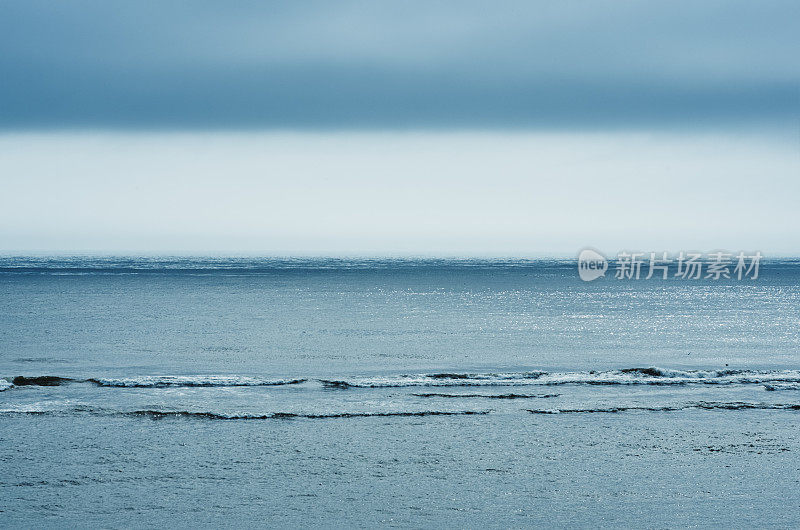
405, 392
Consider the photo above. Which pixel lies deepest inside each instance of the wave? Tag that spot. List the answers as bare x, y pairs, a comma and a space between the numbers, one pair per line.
770, 379
704, 405
202, 415
162, 381
48, 360
490, 396
169, 381
627, 376
157, 414
603, 409
781, 386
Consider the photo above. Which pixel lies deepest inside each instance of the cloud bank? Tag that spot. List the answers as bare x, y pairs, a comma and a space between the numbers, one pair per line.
378, 64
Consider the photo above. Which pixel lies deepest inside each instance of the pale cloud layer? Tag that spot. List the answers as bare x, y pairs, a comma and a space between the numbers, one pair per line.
523, 194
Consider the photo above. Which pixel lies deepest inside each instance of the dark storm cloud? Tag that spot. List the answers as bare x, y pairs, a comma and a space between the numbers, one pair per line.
143, 64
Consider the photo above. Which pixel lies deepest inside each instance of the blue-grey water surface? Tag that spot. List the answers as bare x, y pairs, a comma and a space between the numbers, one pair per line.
357, 392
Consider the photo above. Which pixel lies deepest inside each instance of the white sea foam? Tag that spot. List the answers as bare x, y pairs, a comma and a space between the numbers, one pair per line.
631, 376
781, 386
164, 381
702, 405
771, 379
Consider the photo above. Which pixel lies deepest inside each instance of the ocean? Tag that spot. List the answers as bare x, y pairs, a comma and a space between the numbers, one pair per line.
396, 392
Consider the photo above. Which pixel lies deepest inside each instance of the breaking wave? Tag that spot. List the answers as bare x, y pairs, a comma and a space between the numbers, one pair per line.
627, 376
770, 379
161, 381
781, 386
47, 409
36, 410
190, 381
704, 405
156, 414
490, 396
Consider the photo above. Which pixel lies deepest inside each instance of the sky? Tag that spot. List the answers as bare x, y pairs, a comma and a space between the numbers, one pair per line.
375, 127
